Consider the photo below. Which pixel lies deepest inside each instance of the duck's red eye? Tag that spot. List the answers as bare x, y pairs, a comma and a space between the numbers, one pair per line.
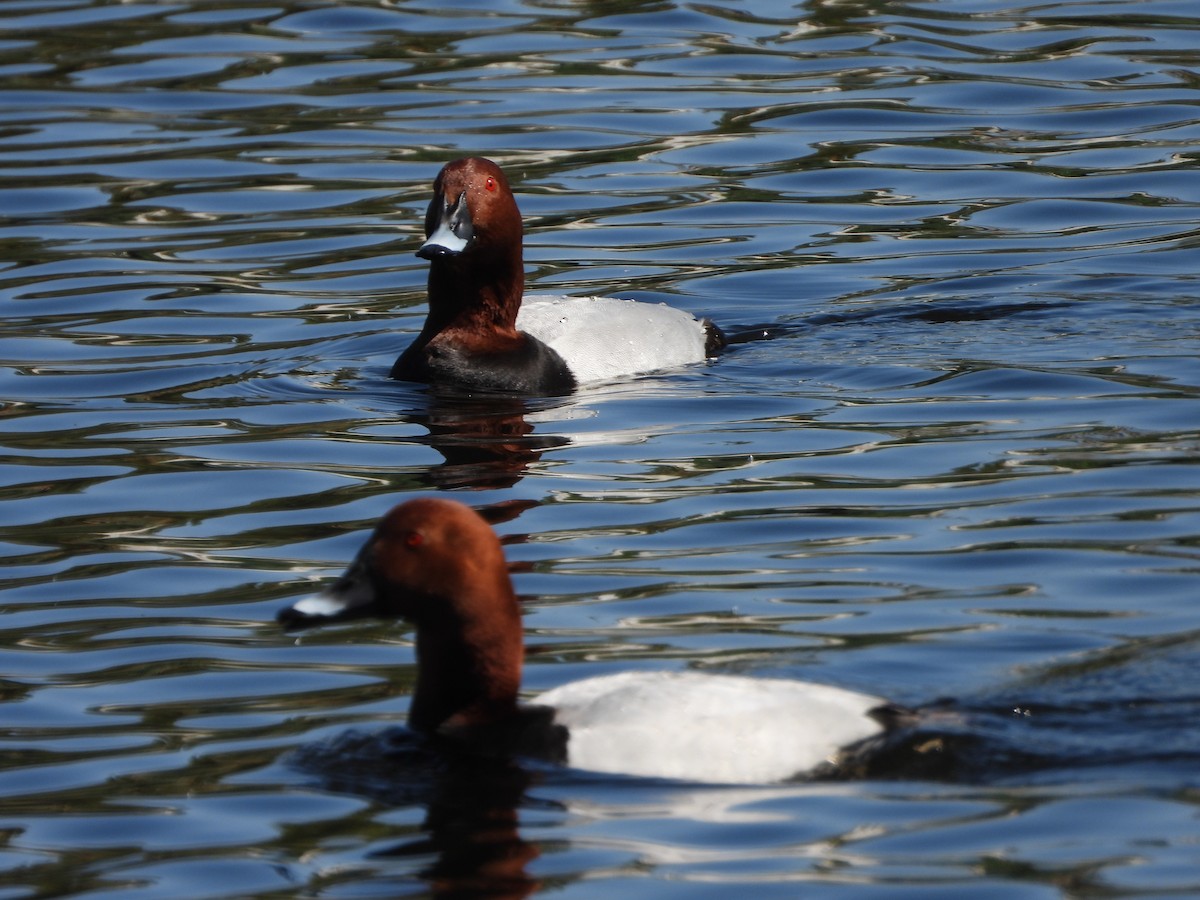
414, 539
490, 184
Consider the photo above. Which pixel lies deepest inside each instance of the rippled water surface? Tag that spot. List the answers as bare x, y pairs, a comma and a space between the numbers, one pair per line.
961, 463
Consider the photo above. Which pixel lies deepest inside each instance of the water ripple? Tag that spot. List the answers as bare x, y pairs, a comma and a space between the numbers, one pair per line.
950, 452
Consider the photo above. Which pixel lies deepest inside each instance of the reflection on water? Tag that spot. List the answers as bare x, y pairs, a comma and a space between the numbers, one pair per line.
952, 454
487, 441
467, 844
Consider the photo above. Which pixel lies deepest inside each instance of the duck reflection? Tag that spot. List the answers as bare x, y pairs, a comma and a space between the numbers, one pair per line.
468, 844
486, 439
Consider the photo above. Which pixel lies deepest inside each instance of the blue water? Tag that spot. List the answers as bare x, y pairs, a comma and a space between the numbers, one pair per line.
961, 465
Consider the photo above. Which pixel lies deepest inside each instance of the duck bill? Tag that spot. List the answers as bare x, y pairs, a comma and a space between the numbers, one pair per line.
350, 597
448, 228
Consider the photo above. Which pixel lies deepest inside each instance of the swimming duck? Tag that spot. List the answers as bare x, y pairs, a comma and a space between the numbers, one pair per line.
479, 335
436, 563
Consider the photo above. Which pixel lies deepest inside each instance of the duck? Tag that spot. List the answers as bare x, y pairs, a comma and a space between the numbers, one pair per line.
482, 334
438, 564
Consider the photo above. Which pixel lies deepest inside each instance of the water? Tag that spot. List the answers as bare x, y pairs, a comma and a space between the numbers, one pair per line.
964, 464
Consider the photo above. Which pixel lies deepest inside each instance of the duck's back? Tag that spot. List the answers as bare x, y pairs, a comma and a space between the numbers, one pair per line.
708, 728
603, 338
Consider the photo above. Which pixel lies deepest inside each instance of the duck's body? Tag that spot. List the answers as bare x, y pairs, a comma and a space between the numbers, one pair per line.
709, 728
436, 563
604, 338
479, 336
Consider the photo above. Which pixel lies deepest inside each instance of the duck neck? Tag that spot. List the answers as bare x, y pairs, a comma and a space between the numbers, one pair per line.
468, 666
478, 296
